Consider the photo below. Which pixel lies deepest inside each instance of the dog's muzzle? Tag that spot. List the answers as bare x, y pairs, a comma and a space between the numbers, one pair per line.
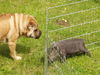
38, 35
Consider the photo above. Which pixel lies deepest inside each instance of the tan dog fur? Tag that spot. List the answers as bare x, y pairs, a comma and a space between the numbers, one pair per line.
12, 26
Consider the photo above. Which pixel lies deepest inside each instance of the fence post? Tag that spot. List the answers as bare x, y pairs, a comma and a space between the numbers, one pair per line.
46, 45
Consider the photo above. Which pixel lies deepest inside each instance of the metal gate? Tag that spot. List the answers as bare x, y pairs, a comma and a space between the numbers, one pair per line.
82, 19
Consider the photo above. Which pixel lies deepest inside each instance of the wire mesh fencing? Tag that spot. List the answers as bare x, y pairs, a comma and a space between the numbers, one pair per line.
78, 19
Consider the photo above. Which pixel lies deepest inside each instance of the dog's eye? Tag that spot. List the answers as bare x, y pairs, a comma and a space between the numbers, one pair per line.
35, 30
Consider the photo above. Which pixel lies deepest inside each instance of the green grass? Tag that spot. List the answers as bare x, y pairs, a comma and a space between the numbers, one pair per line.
32, 50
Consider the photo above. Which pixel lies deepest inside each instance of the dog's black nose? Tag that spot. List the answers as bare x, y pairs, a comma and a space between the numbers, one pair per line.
39, 34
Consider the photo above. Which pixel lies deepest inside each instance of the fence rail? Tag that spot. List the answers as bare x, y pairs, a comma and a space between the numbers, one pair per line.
92, 43
67, 4
75, 25
73, 13
82, 35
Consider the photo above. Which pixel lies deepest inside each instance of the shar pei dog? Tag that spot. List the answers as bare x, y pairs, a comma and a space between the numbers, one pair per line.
12, 26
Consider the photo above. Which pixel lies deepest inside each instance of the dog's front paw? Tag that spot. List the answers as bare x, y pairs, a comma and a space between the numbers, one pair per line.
18, 58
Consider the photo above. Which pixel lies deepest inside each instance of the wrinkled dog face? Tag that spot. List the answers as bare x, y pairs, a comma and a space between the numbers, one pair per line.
32, 30
53, 54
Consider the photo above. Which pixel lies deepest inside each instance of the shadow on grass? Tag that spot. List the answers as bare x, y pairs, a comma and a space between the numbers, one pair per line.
4, 49
42, 59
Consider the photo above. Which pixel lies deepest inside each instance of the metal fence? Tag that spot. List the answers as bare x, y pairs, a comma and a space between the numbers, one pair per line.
76, 29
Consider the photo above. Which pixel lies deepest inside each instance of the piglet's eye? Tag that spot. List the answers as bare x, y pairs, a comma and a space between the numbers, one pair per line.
55, 48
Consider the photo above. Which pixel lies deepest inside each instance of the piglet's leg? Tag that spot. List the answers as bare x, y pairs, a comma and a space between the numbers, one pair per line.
85, 51
62, 56
62, 59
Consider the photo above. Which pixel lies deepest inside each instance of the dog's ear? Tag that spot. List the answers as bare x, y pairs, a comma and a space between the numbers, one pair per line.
31, 22
30, 26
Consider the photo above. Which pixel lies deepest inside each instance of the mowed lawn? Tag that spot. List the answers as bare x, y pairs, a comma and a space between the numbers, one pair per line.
32, 50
